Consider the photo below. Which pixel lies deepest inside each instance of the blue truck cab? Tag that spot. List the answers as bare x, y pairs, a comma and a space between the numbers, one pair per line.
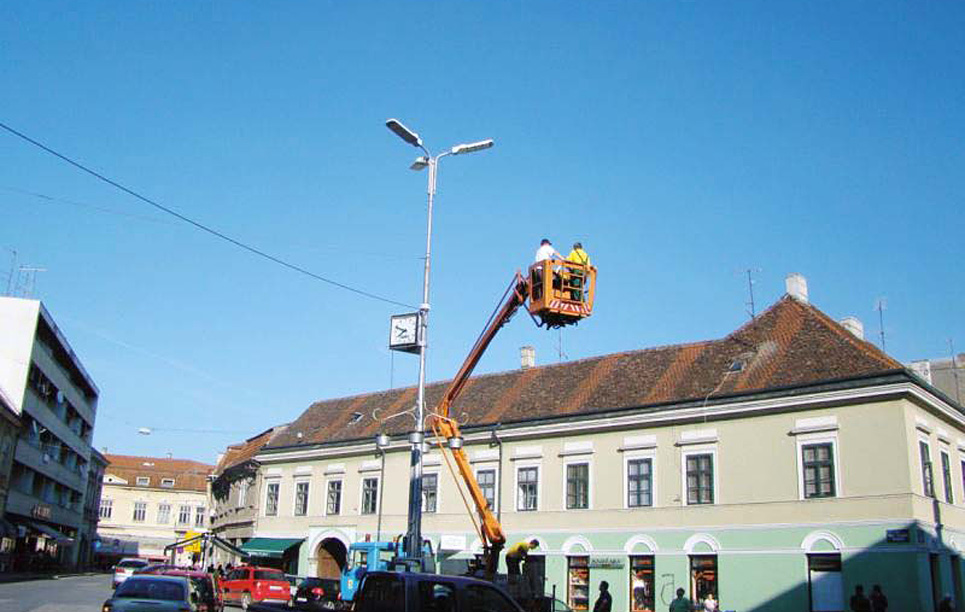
365, 557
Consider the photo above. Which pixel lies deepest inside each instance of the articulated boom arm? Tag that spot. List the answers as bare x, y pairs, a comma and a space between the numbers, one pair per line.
446, 427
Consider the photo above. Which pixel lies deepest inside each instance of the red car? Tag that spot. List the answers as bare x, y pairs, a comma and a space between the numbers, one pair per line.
207, 585
248, 583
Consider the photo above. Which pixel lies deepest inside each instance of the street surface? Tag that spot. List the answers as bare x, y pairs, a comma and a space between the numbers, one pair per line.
74, 594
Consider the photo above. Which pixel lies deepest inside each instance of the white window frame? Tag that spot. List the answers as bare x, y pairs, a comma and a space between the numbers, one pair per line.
494, 468
243, 487
438, 475
264, 507
341, 497
200, 511
709, 449
142, 481
579, 460
825, 437
539, 484
167, 483
106, 504
943, 450
924, 438
308, 501
635, 456
378, 491
143, 518
163, 505
180, 514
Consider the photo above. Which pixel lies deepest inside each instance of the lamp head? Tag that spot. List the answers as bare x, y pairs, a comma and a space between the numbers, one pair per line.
472, 147
382, 441
420, 163
403, 132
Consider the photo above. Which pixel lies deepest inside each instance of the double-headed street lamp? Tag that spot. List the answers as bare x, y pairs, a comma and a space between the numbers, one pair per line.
417, 437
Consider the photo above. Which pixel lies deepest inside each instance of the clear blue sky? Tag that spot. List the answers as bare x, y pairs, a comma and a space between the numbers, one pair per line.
682, 142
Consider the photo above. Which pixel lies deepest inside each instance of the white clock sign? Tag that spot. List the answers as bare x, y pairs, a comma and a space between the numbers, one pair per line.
404, 332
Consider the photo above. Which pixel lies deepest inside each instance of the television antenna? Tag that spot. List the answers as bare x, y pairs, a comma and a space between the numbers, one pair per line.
750, 303
881, 304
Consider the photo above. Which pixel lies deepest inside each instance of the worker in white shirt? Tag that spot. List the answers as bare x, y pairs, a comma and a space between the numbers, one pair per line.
544, 252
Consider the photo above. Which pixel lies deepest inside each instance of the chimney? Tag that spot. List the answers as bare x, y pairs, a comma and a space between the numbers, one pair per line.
922, 368
797, 287
853, 325
527, 357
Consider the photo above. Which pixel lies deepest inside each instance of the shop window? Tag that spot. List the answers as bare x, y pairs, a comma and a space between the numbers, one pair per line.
825, 589
430, 492
578, 583
703, 578
577, 486
641, 584
333, 500
818, 464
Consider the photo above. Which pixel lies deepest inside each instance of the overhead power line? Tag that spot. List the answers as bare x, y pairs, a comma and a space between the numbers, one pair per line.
198, 225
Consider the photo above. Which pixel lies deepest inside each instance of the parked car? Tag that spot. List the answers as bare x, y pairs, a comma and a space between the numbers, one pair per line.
317, 593
155, 593
418, 592
125, 568
207, 585
248, 584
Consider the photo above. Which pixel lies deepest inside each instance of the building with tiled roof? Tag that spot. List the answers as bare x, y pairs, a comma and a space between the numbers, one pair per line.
234, 492
148, 503
776, 468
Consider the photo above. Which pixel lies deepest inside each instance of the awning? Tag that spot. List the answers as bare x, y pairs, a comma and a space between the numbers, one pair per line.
269, 547
50, 532
7, 529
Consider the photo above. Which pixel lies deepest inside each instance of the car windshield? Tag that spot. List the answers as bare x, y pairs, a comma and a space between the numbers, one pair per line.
144, 588
132, 563
269, 575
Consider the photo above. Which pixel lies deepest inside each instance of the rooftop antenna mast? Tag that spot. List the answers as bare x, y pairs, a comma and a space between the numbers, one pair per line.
560, 353
881, 304
13, 272
27, 280
958, 387
750, 290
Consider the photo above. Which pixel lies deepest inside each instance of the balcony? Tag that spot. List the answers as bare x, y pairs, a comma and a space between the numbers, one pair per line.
24, 505
52, 421
32, 457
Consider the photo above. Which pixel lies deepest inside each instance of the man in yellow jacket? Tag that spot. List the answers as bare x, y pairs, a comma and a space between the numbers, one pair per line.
518, 552
577, 256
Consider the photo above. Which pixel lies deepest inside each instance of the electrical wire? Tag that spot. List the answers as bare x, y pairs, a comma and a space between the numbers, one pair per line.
198, 225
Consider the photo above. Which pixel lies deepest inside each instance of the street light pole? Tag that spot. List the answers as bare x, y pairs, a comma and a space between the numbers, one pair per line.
417, 437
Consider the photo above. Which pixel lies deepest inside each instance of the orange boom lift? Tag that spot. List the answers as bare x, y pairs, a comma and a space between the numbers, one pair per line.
559, 293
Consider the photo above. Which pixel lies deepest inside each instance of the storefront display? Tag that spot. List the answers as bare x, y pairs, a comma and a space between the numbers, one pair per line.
641, 584
703, 578
578, 583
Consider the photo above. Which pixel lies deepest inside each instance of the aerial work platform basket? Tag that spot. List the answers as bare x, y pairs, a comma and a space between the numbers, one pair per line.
561, 292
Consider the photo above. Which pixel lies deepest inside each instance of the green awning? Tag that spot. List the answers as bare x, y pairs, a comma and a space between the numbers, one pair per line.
269, 547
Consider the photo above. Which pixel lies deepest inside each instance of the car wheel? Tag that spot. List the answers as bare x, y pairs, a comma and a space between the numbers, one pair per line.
245, 601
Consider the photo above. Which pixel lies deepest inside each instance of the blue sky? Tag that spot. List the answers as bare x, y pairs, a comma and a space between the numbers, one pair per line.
683, 142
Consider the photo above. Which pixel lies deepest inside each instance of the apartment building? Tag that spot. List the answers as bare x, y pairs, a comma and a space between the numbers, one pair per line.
235, 493
56, 401
776, 468
90, 543
9, 432
148, 503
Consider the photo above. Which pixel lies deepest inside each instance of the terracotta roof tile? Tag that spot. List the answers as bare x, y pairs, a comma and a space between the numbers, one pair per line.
790, 344
187, 475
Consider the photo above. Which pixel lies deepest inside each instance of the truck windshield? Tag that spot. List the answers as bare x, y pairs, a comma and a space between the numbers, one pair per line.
360, 558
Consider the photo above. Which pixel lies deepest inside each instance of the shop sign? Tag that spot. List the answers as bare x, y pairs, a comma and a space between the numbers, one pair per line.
41, 511
606, 563
452, 542
898, 536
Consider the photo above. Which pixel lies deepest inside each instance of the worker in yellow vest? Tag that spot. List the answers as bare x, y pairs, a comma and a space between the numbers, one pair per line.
576, 276
517, 553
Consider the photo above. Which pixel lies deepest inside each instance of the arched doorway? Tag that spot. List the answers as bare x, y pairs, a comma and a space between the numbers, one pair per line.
330, 558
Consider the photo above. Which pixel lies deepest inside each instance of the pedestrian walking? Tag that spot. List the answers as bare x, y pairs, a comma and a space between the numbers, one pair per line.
604, 602
879, 603
710, 604
681, 604
860, 603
